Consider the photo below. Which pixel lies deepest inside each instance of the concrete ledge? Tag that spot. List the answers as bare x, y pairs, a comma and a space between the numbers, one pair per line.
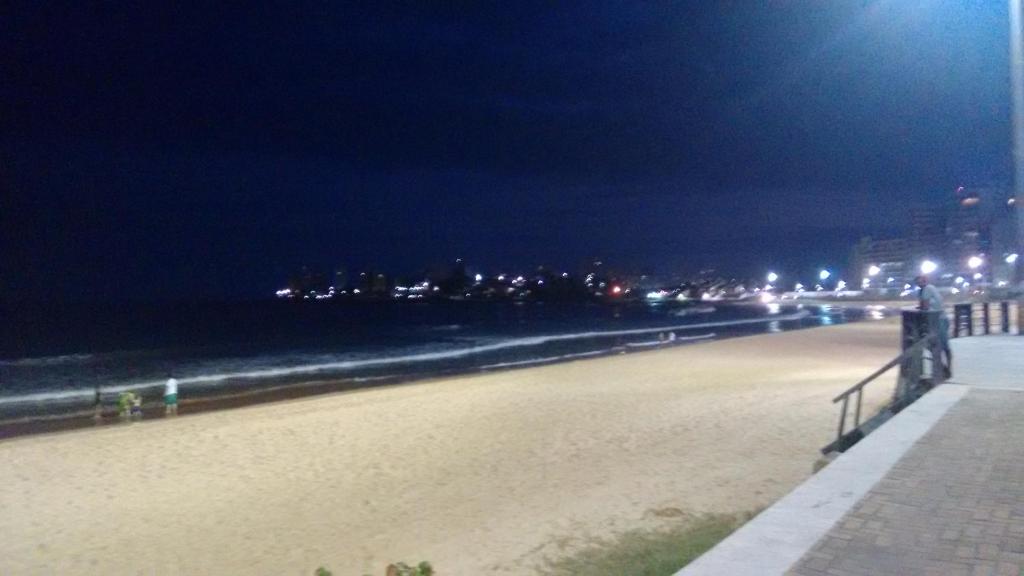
776, 539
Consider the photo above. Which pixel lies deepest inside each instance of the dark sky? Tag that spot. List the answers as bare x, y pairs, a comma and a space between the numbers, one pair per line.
164, 152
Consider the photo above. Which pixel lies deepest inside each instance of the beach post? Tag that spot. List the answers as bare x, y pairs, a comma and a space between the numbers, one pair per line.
985, 318
97, 411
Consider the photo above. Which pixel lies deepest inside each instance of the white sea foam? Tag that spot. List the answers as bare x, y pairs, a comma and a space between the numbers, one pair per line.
563, 357
690, 311
47, 360
669, 342
347, 365
545, 360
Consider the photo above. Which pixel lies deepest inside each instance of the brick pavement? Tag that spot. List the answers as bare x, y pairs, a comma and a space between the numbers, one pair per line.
952, 505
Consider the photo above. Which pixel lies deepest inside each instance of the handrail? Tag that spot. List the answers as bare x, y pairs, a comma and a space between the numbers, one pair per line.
889, 366
858, 389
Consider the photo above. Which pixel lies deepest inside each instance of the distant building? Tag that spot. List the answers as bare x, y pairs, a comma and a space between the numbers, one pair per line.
379, 285
892, 256
308, 283
927, 233
340, 278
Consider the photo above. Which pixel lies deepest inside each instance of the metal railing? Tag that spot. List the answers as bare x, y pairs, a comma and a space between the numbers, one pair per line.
964, 324
901, 397
920, 333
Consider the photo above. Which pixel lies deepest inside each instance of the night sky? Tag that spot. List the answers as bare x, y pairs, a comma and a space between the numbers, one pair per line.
156, 152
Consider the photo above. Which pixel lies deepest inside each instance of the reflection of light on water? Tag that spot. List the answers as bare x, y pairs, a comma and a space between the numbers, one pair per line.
774, 327
876, 315
826, 320
773, 308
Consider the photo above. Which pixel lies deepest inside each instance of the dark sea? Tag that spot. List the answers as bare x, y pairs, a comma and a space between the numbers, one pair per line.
53, 357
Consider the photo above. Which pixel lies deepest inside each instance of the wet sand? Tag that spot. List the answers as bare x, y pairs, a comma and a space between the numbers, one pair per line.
477, 474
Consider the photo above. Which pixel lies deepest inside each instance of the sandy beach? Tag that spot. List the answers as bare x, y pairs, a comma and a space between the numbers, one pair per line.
490, 473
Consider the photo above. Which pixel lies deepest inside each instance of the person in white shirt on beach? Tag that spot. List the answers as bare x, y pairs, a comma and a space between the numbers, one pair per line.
171, 397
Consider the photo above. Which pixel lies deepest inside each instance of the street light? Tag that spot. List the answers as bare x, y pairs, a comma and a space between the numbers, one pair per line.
772, 277
824, 274
873, 270
974, 262
927, 267
1011, 259
1017, 97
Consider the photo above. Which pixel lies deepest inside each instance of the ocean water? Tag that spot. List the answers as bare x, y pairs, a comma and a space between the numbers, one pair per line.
52, 358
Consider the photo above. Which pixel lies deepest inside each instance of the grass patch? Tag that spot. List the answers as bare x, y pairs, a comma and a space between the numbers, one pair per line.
648, 553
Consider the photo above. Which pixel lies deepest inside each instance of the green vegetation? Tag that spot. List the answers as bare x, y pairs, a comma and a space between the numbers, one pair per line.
648, 553
400, 569
421, 569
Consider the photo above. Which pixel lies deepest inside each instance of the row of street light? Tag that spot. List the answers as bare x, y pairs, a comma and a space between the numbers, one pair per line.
926, 267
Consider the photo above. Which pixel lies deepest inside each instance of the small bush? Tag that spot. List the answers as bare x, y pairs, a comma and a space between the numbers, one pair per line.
421, 569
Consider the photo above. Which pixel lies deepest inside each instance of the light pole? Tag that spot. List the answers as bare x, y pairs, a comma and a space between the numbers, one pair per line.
1017, 81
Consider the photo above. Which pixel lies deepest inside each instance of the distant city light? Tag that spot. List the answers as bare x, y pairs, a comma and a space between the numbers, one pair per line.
656, 295
616, 289
974, 262
977, 276
501, 278
873, 270
841, 285
799, 287
772, 277
927, 267
479, 278
565, 274
1011, 259
865, 283
824, 274
959, 280
766, 297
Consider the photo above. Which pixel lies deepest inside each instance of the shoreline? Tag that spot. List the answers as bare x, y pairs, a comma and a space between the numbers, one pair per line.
229, 400
154, 409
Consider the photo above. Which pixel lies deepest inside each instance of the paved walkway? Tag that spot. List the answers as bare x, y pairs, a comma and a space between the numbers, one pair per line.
954, 504
937, 490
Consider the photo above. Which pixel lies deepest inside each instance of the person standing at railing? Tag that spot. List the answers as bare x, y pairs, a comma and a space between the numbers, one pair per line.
930, 299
